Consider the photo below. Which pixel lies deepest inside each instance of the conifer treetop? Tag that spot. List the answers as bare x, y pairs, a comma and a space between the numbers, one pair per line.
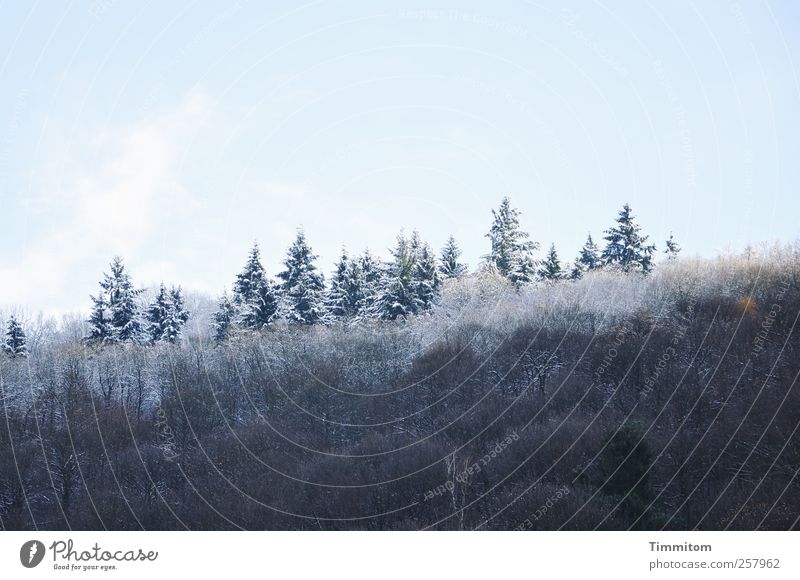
588, 259
303, 286
672, 248
550, 269
116, 315
450, 267
511, 249
627, 247
15, 344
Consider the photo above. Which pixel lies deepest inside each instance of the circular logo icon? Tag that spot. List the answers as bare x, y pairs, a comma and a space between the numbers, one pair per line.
31, 553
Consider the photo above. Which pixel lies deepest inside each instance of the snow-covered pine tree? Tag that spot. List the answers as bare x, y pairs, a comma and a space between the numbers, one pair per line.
627, 248
303, 287
415, 242
371, 273
224, 318
177, 316
123, 303
550, 269
157, 314
115, 314
15, 344
426, 277
254, 296
588, 259
511, 253
99, 322
250, 278
449, 265
262, 309
673, 249
337, 295
397, 296
346, 292
166, 315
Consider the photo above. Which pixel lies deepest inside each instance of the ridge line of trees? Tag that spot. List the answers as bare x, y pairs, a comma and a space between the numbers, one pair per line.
361, 286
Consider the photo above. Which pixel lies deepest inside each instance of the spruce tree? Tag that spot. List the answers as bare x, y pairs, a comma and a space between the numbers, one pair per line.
371, 273
99, 323
166, 315
550, 269
588, 259
449, 266
673, 249
15, 344
627, 248
157, 314
224, 318
177, 316
426, 277
123, 303
624, 474
346, 293
415, 242
303, 287
398, 295
250, 278
115, 313
511, 252
254, 296
263, 309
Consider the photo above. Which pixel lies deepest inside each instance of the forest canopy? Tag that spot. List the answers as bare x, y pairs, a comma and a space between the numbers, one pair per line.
621, 392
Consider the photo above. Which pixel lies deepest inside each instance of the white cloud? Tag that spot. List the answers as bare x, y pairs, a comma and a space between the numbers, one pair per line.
111, 194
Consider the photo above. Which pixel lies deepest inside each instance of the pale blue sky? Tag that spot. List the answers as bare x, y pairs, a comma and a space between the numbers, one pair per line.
176, 133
